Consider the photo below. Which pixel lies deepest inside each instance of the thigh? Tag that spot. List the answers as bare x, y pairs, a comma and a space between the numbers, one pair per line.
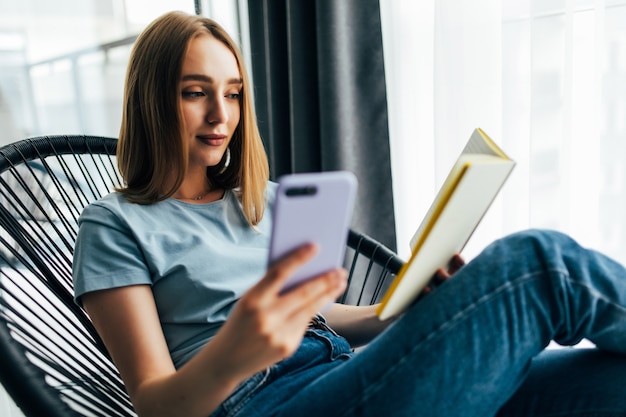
450, 355
466, 348
571, 382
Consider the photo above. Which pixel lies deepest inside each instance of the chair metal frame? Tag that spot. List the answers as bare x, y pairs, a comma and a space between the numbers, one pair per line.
52, 361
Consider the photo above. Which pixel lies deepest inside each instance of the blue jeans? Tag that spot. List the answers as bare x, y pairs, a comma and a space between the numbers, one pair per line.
474, 347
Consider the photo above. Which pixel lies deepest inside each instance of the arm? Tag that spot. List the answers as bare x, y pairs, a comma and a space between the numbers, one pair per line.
127, 321
264, 327
360, 324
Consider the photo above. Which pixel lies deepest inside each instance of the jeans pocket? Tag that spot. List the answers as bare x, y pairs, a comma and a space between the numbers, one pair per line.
339, 347
242, 394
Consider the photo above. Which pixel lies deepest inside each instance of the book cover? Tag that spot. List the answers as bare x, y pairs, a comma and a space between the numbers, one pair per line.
465, 196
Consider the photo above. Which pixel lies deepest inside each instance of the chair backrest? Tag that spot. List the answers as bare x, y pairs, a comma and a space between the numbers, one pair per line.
52, 361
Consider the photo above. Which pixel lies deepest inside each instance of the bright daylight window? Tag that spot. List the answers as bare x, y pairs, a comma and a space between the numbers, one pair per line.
544, 78
62, 63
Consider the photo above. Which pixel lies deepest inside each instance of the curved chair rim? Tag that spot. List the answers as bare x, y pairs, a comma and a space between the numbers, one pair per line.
21, 380
43, 146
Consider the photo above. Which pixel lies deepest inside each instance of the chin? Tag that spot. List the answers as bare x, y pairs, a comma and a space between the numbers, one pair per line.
212, 160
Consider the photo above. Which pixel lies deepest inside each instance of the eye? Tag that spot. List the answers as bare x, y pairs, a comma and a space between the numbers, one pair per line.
192, 94
233, 96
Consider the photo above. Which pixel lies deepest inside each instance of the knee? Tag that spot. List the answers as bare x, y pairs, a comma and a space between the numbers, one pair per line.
538, 243
537, 237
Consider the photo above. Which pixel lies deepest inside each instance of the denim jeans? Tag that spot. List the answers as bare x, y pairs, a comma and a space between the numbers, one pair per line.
474, 347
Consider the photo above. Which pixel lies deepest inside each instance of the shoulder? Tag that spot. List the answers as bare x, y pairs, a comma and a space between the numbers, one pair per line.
106, 206
111, 205
270, 197
269, 194
270, 191
114, 209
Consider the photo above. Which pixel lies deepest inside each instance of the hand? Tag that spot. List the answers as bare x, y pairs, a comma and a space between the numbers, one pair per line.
267, 326
442, 275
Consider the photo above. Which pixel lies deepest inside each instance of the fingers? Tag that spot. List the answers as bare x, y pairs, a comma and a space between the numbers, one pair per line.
314, 294
453, 267
306, 298
283, 268
442, 275
273, 322
456, 263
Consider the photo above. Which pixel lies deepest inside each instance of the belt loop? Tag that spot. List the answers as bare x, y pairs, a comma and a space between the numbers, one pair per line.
318, 323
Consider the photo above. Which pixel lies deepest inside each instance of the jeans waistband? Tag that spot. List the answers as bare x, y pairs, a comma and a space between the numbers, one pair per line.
318, 323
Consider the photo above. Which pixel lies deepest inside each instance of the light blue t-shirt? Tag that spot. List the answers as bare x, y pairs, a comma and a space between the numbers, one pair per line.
198, 258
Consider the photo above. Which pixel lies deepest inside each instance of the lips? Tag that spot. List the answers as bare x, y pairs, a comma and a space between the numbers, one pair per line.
215, 139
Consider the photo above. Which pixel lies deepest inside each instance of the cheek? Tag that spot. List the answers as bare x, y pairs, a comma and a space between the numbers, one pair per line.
190, 117
234, 118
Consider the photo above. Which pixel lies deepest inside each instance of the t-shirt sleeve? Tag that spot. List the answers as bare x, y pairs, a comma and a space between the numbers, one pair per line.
106, 255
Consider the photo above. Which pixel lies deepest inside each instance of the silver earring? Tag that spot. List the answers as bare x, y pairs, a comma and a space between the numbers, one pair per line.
227, 158
227, 162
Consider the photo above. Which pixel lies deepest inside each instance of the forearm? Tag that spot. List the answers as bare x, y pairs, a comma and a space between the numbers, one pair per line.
196, 389
177, 397
127, 320
358, 324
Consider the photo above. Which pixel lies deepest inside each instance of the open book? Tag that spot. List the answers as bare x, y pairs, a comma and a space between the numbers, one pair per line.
468, 191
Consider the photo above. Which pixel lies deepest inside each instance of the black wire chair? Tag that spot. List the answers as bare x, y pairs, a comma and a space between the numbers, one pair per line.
52, 362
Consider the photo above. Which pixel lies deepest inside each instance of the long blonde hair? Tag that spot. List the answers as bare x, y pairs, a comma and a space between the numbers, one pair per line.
152, 148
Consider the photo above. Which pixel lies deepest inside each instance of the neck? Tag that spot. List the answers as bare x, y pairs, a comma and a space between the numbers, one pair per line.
192, 193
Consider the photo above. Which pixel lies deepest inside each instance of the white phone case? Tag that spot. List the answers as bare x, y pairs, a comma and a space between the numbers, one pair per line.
313, 208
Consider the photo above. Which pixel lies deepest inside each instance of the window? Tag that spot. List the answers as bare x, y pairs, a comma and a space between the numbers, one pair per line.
544, 78
62, 63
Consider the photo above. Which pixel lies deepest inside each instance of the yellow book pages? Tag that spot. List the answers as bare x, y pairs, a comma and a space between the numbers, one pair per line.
480, 143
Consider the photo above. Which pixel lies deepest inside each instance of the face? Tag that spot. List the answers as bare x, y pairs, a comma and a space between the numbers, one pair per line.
210, 89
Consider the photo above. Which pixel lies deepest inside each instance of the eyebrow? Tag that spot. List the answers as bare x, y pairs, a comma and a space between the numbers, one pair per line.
209, 80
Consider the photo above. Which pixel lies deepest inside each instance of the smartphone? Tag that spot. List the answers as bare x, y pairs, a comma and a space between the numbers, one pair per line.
313, 208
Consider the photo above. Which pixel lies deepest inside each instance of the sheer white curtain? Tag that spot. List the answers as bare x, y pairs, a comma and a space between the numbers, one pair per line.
546, 79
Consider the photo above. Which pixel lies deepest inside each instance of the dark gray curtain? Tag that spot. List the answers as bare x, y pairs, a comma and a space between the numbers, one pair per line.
320, 97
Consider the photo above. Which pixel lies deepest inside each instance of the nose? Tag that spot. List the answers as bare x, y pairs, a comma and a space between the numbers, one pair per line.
216, 113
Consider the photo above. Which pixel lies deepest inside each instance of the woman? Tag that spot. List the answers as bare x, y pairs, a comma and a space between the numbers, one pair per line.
198, 326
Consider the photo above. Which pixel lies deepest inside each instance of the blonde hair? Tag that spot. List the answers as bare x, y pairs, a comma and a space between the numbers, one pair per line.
152, 148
